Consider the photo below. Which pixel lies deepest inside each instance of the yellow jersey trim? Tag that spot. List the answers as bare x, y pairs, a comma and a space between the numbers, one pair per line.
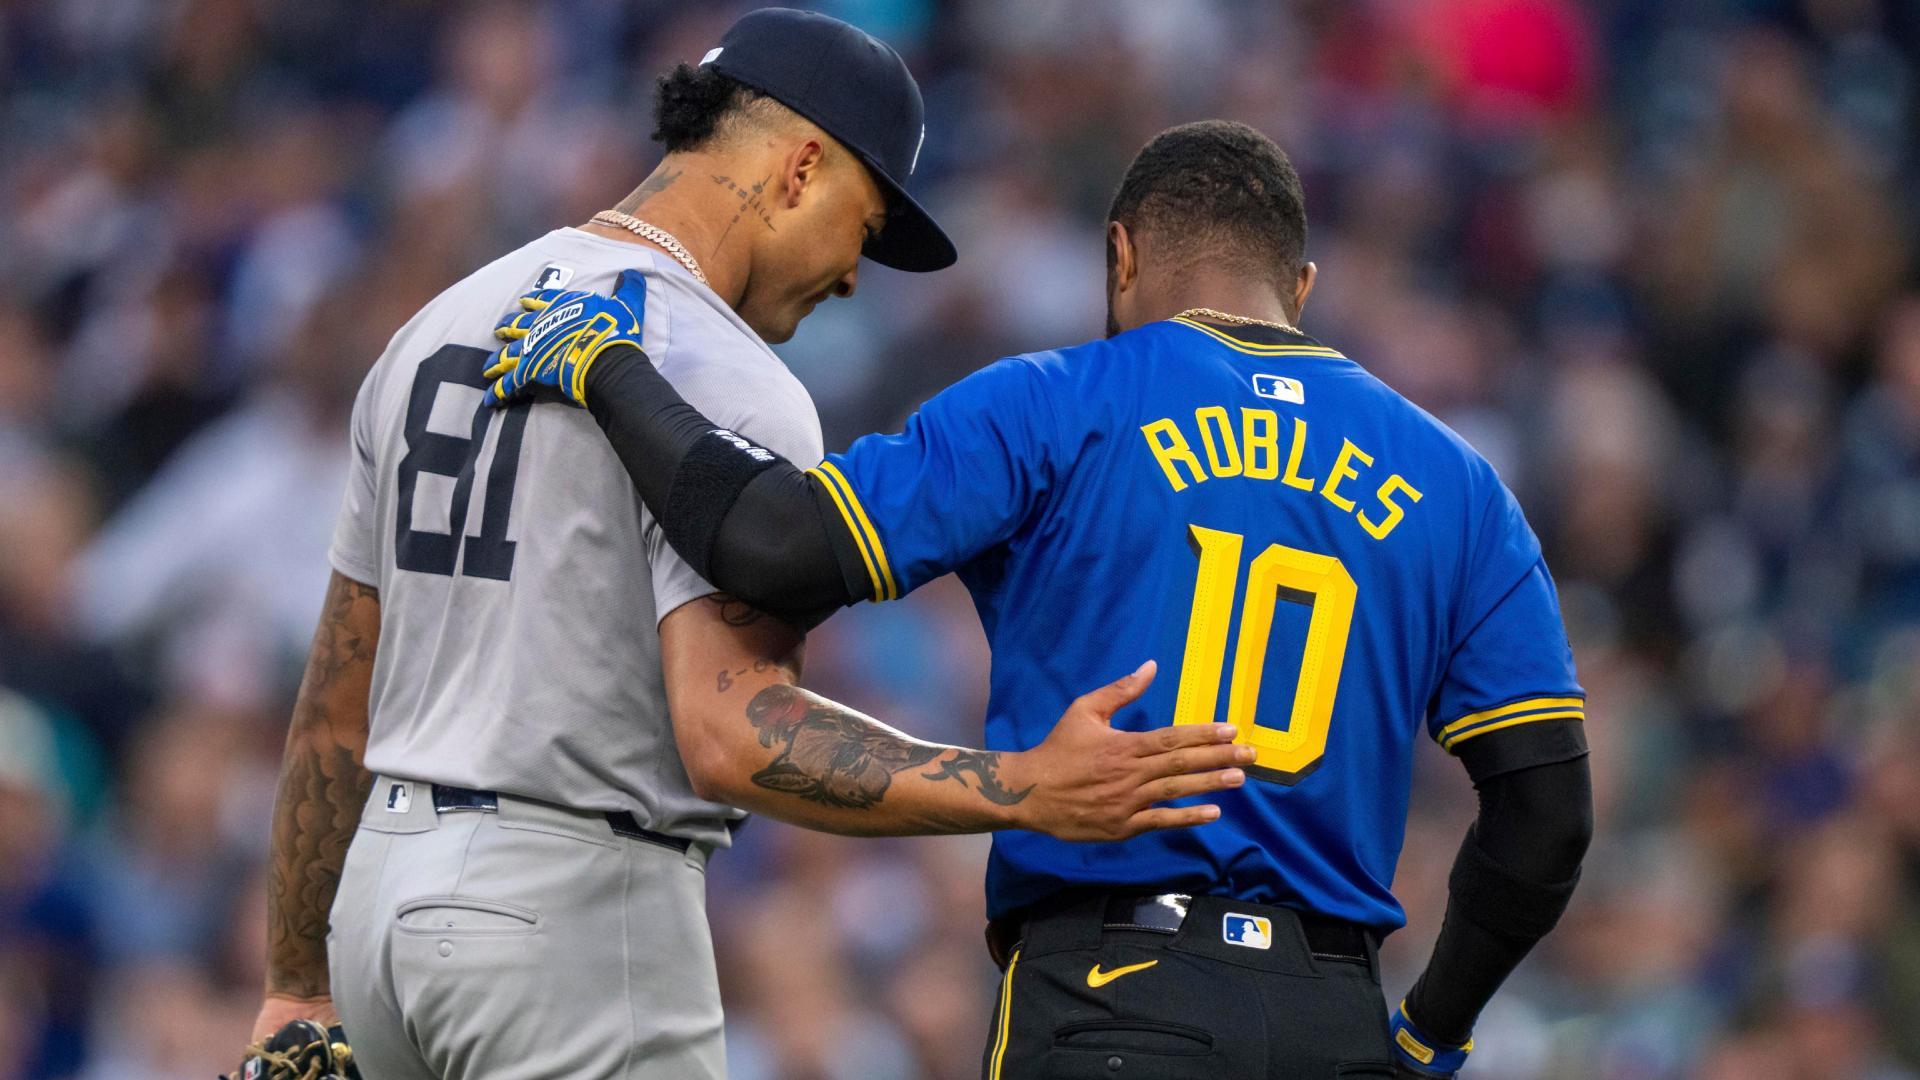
891, 590
1513, 713
1006, 1018
1567, 714
1509, 709
1253, 348
853, 528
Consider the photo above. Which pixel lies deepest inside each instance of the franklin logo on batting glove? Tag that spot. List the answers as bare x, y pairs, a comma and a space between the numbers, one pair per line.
554, 338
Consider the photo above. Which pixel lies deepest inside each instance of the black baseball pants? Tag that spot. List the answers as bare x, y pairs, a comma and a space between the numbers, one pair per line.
1123, 987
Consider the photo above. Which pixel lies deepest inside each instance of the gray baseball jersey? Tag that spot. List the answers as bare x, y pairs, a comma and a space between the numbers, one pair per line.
521, 581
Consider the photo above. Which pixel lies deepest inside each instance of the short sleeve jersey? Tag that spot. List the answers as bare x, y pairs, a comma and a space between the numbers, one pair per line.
1306, 553
521, 581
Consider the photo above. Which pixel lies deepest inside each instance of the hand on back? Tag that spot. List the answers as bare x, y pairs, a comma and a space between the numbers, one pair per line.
1092, 782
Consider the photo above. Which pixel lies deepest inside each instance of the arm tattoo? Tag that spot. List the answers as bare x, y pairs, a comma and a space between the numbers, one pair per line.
322, 787
651, 186
828, 754
735, 612
723, 679
984, 767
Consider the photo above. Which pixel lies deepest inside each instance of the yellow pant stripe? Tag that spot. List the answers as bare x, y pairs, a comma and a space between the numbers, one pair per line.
1006, 1018
873, 535
852, 528
1450, 742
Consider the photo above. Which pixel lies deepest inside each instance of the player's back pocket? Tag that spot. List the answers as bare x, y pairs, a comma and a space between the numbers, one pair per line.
1145, 1036
462, 915
1124, 1047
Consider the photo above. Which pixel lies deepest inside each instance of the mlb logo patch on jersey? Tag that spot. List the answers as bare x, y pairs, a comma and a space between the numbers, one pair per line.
399, 798
1247, 931
1280, 388
553, 277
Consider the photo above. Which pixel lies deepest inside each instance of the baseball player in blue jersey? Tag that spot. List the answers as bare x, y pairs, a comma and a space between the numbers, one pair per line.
1313, 559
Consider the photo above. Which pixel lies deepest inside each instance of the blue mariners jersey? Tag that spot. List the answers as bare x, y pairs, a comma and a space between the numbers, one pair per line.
1308, 555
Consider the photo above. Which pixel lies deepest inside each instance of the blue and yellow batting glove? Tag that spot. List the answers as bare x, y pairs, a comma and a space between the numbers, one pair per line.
1418, 1055
556, 336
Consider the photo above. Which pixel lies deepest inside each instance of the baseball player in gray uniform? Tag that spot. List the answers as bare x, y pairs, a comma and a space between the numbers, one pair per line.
523, 894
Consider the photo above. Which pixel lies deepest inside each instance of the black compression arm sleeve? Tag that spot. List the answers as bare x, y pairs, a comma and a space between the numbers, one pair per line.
649, 424
743, 517
1512, 879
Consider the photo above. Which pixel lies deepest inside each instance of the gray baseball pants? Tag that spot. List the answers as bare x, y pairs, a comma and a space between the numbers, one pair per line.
524, 944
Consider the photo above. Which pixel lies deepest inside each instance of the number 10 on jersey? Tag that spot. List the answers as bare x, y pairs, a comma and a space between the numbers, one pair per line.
1279, 573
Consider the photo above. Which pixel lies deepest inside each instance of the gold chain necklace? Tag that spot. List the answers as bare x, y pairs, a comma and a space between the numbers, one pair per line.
654, 234
1237, 320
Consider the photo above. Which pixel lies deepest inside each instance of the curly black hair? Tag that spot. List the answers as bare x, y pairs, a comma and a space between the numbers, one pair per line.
1217, 189
693, 104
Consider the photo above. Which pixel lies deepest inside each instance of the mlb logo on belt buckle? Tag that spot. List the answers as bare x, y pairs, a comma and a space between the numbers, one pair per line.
1247, 931
399, 798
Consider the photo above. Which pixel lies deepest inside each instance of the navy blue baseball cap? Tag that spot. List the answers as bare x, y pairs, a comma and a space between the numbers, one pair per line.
857, 90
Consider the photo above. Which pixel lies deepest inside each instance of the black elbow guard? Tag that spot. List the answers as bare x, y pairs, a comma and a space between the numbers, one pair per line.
784, 552
752, 524
706, 485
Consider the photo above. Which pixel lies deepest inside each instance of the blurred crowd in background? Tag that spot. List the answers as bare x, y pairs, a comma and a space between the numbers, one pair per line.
1656, 260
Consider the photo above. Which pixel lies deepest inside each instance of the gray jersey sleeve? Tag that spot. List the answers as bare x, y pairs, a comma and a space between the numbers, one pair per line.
763, 402
356, 549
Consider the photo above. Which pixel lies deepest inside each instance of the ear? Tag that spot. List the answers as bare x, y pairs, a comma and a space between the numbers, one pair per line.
801, 169
1302, 286
1126, 261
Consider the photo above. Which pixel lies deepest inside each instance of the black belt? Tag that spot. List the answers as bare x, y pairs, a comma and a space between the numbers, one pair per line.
1163, 913
621, 822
